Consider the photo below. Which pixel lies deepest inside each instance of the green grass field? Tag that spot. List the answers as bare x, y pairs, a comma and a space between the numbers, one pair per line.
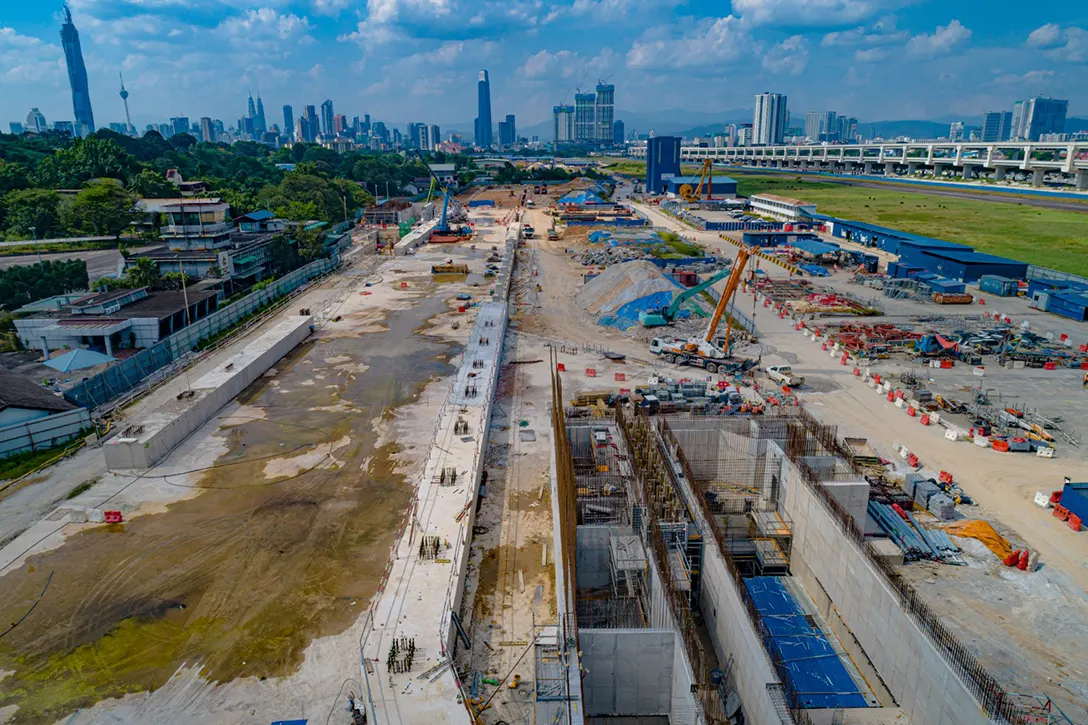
1046, 237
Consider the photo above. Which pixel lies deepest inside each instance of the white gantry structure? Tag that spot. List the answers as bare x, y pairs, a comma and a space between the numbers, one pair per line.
1034, 159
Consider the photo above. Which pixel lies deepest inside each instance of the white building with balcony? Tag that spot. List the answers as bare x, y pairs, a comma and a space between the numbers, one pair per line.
781, 207
201, 241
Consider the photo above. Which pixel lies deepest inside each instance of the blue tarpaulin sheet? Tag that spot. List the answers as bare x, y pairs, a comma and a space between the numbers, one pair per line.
580, 198
816, 672
627, 315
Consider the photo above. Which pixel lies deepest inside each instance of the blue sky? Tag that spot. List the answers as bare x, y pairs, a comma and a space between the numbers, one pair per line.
404, 60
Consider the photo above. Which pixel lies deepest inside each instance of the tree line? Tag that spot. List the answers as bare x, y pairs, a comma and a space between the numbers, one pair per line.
24, 284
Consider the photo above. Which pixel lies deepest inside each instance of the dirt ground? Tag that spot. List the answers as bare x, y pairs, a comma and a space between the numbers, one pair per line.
285, 543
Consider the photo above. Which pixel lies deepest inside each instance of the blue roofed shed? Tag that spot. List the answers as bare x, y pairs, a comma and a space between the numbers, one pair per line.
813, 247
722, 186
968, 266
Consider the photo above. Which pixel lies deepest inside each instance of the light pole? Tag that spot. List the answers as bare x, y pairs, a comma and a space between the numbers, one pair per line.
184, 290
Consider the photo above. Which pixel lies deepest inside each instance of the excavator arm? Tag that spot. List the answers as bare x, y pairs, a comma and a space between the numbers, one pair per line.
673, 309
727, 296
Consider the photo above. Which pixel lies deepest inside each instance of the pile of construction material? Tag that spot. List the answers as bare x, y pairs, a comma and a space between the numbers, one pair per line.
695, 396
917, 542
608, 256
616, 296
832, 303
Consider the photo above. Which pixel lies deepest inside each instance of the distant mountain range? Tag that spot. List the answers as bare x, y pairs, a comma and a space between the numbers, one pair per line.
689, 124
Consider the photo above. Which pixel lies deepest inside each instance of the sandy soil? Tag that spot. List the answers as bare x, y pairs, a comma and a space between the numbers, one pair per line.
302, 501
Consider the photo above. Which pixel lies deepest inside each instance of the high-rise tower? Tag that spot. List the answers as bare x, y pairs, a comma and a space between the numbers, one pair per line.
327, 115
77, 75
769, 119
124, 97
604, 112
483, 112
261, 124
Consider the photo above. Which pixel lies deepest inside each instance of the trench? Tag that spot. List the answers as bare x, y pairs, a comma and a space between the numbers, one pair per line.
241, 578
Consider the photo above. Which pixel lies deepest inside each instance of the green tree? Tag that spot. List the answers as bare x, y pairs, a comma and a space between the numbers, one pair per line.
283, 255
13, 177
143, 272
103, 207
182, 141
86, 159
151, 185
310, 244
37, 209
110, 284
175, 281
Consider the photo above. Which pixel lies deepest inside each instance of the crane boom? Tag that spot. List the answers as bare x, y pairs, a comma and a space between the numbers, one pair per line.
730, 290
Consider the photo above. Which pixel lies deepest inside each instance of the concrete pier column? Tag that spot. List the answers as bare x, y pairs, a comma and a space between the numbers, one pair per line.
867, 167
889, 168
1037, 177
109, 345
45, 347
1082, 179
999, 173
912, 168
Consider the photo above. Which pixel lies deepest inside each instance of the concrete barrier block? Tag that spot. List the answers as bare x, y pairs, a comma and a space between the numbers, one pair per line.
952, 435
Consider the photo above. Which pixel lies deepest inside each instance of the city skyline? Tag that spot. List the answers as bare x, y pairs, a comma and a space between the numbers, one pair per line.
958, 61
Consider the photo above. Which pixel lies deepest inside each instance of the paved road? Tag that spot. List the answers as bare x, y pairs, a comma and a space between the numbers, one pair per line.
100, 262
1001, 197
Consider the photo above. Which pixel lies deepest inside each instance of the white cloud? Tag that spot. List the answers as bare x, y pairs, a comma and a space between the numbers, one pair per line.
940, 42
330, 7
883, 32
870, 55
789, 56
1045, 36
546, 64
1069, 45
266, 24
816, 13
709, 43
1031, 78
26, 59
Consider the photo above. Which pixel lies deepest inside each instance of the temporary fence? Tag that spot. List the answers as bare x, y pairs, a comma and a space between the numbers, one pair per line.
43, 433
131, 371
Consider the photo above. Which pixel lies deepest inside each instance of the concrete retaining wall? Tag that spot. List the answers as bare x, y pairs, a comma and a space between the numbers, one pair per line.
908, 663
165, 428
415, 239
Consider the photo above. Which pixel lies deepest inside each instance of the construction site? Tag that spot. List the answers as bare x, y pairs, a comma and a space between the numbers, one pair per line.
561, 454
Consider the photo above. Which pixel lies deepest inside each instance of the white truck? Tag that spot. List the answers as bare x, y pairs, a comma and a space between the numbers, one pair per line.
784, 375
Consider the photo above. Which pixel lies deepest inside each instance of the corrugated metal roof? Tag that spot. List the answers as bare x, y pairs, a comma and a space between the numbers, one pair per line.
970, 256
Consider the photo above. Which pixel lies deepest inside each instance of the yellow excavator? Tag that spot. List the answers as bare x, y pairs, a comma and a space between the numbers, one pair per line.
703, 351
687, 193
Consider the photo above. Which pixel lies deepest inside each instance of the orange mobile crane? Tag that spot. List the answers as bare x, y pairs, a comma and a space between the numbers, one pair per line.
703, 351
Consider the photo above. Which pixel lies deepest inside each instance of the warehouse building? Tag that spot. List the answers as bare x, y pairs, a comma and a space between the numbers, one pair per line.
965, 266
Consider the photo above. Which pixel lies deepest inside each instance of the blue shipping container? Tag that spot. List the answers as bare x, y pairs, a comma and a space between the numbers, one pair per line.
997, 285
893, 269
1075, 498
948, 286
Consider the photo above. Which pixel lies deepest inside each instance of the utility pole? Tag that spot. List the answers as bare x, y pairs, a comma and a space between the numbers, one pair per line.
184, 289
